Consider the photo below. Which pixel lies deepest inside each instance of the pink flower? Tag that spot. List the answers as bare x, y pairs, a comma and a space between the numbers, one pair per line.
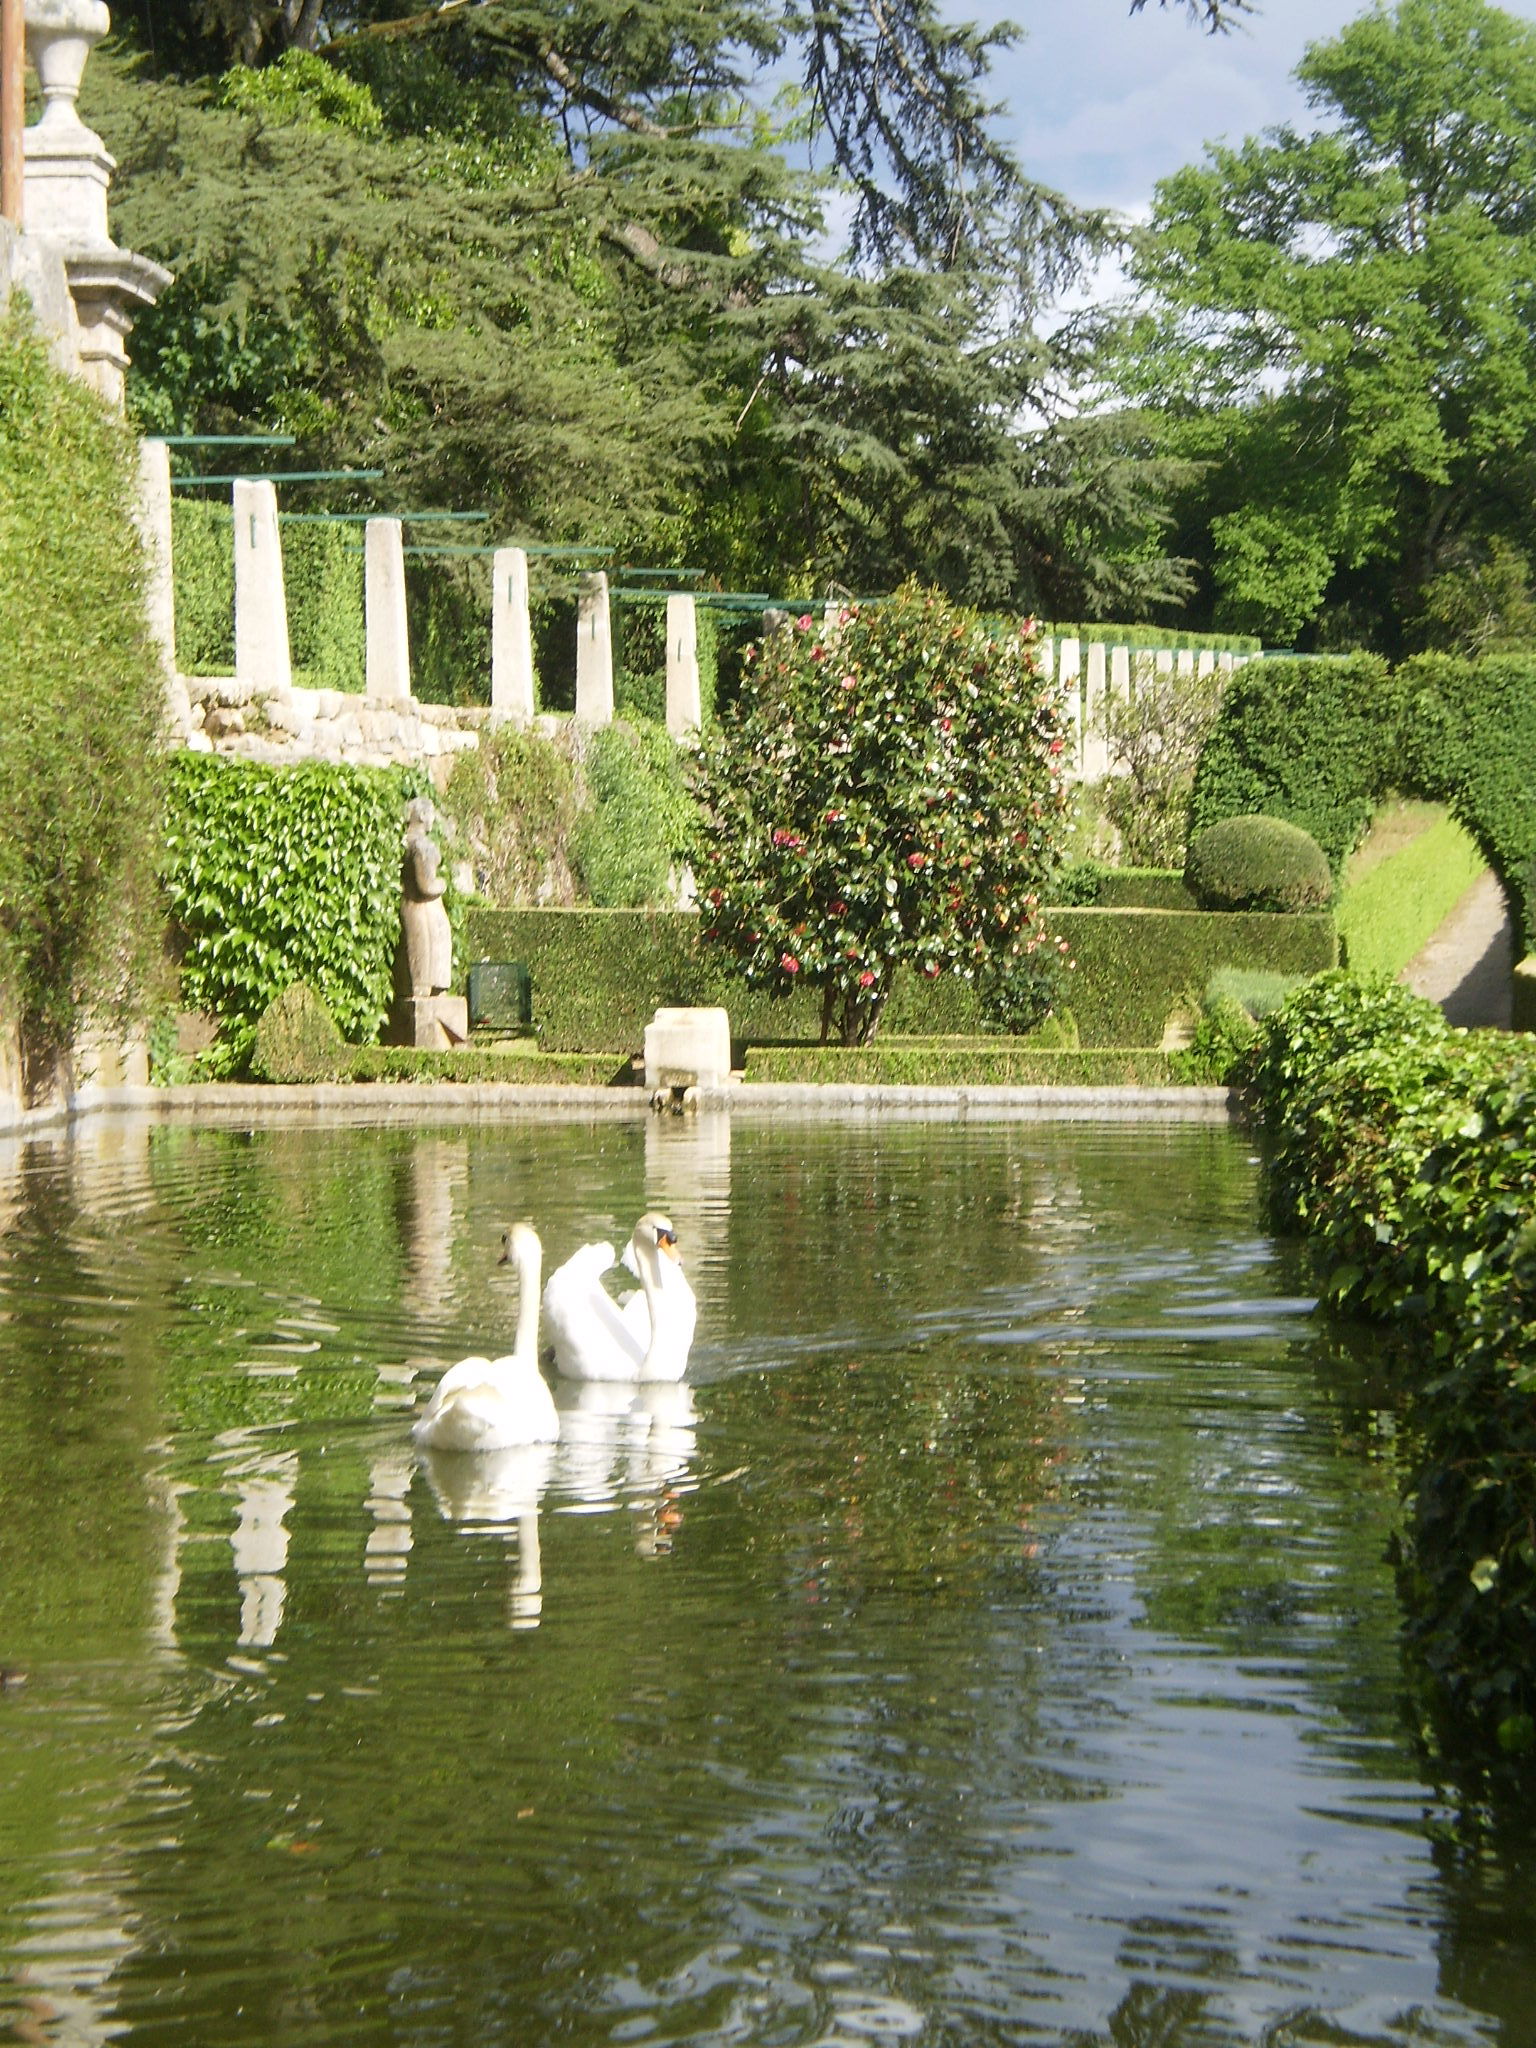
849, 682
866, 979
804, 622
837, 906
916, 860
789, 963
931, 969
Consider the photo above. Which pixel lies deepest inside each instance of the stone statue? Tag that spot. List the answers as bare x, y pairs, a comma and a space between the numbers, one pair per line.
427, 939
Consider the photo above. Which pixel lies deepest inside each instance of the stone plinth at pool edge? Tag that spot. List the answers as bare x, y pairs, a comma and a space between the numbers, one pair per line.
687, 1048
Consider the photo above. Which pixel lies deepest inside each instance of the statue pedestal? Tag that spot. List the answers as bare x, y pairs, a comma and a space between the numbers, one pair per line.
431, 1022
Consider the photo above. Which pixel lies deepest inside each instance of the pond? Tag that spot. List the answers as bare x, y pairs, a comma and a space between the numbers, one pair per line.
992, 1643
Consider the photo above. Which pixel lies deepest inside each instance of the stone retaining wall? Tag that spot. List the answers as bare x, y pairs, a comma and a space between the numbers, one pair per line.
231, 717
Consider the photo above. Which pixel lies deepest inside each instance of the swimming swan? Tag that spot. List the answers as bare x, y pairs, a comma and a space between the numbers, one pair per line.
490, 1404
648, 1338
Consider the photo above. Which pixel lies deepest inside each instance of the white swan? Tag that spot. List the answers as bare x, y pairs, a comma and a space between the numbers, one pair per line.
490, 1404
647, 1339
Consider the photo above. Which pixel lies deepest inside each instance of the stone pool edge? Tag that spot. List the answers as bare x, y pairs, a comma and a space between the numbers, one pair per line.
224, 1102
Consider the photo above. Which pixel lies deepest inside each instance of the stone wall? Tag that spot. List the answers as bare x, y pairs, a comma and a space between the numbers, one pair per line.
232, 717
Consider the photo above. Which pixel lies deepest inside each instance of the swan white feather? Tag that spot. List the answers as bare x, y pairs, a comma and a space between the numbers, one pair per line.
648, 1338
492, 1404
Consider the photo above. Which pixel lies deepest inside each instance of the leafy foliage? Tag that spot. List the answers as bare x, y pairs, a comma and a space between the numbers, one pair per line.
1336, 326
1311, 741
566, 269
82, 699
630, 845
280, 875
323, 585
1257, 863
1154, 738
891, 796
1404, 1150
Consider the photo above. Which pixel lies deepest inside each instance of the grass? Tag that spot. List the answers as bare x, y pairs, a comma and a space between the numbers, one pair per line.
1409, 874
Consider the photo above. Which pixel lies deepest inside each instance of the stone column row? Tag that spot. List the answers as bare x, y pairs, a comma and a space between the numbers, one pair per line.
262, 654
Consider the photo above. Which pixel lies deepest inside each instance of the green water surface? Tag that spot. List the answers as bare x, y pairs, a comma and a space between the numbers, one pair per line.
993, 1643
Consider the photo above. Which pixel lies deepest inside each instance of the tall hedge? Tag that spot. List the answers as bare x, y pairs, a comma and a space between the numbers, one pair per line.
600, 975
1470, 742
1312, 740
82, 699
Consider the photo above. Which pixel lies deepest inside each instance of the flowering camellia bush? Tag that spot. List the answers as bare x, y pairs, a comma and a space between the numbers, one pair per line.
891, 794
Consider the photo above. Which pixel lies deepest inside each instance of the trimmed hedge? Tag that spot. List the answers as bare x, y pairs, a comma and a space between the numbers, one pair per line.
1155, 639
1313, 741
1258, 863
976, 1063
600, 975
1404, 1150
1470, 742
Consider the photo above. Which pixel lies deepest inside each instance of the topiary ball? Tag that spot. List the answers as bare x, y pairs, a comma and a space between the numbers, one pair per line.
1257, 863
297, 1039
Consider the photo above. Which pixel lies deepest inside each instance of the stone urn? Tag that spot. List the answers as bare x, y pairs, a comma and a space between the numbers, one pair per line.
60, 37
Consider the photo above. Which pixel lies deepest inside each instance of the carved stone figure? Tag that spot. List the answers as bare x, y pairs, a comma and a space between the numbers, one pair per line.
427, 939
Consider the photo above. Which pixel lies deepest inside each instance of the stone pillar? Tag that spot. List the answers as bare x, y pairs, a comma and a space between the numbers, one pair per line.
684, 709
512, 680
594, 652
387, 671
67, 172
1069, 654
261, 611
1206, 662
1045, 654
1095, 759
1186, 661
153, 515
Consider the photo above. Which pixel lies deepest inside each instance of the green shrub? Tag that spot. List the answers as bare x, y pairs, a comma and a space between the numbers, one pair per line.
297, 1039
1223, 1033
81, 709
1095, 884
514, 800
1312, 741
203, 573
1257, 863
1259, 991
634, 837
276, 875
1405, 1150
1154, 639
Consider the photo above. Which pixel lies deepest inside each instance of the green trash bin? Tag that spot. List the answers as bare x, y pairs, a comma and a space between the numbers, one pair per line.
500, 999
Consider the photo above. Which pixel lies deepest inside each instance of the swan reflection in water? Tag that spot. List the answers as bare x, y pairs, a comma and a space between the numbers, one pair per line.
499, 1490
630, 1447
633, 1444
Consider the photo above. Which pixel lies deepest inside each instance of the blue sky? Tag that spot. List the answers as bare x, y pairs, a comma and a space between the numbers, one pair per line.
1102, 104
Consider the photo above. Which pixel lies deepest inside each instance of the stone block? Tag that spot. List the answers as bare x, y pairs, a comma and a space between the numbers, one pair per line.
688, 1049
432, 1023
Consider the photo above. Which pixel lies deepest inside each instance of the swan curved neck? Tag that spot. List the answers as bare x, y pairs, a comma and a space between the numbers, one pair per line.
526, 1344
648, 1262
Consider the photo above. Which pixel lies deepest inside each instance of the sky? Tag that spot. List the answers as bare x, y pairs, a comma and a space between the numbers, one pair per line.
1101, 104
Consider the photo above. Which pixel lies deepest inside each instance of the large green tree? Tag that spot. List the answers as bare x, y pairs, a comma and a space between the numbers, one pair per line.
571, 265
1341, 326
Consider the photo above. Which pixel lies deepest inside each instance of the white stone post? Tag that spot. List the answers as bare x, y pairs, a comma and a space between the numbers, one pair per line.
684, 706
1095, 744
1206, 662
1069, 682
512, 682
153, 518
262, 658
594, 652
1045, 654
1186, 661
387, 672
